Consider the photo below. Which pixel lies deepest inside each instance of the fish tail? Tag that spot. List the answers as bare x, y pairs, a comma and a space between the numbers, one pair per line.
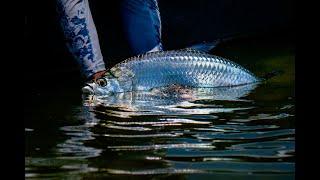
272, 74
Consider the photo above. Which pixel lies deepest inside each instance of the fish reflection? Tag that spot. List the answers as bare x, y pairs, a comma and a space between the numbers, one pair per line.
169, 101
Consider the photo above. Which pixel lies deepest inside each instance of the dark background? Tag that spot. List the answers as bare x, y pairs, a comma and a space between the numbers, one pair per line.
48, 63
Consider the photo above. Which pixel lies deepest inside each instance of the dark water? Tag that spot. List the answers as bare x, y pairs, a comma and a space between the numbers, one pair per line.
247, 137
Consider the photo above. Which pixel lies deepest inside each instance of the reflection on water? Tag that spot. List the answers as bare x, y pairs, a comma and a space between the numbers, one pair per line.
191, 102
235, 133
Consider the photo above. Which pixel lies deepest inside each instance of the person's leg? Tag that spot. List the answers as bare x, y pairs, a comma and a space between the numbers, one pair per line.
142, 25
81, 35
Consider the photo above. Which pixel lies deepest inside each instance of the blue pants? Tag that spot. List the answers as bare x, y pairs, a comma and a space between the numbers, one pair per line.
142, 27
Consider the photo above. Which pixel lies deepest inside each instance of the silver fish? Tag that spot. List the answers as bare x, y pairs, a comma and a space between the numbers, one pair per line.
189, 68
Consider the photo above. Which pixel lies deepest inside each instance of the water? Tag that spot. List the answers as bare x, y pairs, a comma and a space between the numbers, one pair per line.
247, 136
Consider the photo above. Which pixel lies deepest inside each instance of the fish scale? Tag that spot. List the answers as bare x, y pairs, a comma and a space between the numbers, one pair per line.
184, 67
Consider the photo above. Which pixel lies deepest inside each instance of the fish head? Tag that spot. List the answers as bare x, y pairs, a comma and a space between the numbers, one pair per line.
104, 86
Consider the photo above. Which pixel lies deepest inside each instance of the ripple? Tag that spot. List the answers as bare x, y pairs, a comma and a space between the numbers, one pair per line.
264, 116
154, 171
126, 128
163, 146
142, 136
252, 135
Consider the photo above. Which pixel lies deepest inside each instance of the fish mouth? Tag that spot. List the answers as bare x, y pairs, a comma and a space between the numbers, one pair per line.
88, 95
88, 89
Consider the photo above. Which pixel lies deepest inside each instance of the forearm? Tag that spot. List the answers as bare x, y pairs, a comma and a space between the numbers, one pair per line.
81, 35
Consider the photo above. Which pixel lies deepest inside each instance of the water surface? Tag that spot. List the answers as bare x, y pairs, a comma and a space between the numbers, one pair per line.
247, 135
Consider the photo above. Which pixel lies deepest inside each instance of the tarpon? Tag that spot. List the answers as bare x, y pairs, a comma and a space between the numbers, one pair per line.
187, 68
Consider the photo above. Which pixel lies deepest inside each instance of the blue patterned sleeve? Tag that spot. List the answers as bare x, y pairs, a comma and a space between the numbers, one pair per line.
81, 35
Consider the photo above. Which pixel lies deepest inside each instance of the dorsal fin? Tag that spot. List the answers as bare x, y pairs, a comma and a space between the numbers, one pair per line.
204, 47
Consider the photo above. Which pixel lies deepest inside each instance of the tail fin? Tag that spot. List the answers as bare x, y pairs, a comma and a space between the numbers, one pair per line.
272, 74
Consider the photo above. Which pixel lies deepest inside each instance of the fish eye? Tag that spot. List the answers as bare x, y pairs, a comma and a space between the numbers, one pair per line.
102, 82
